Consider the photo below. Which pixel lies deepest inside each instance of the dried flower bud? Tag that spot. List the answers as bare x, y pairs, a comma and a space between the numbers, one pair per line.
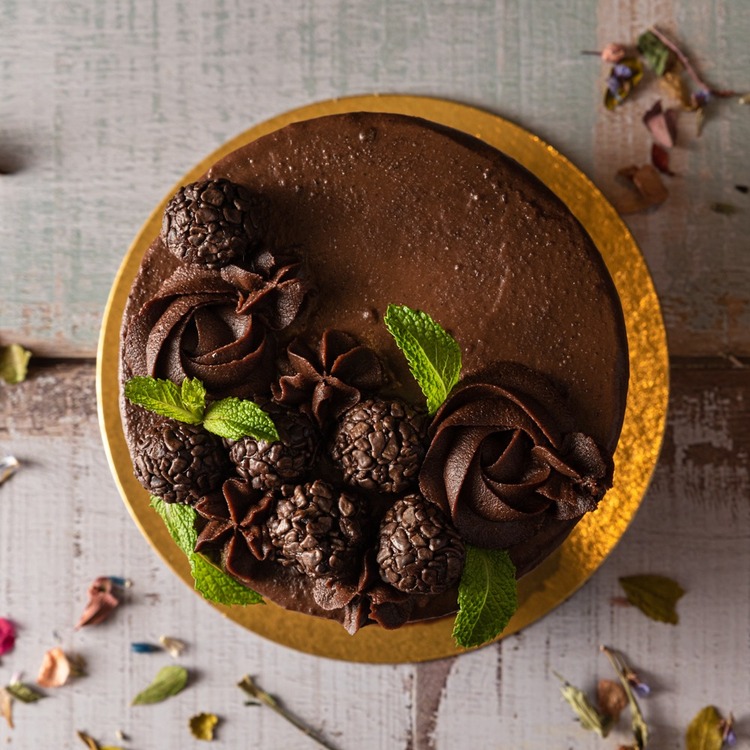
613, 53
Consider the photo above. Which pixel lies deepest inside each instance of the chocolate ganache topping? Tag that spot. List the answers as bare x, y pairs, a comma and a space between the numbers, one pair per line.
330, 380
212, 324
500, 465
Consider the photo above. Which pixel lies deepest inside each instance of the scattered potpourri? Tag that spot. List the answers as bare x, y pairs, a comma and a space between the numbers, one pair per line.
92, 744
168, 682
9, 465
656, 596
173, 646
142, 647
102, 601
670, 64
260, 696
14, 363
202, 726
58, 667
7, 636
709, 731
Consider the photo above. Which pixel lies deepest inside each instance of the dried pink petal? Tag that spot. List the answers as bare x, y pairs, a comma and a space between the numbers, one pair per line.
7, 636
660, 159
102, 601
613, 53
56, 669
662, 124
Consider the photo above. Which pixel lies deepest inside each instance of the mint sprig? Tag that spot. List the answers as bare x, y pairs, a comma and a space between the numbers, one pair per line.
211, 582
487, 596
433, 355
185, 404
231, 418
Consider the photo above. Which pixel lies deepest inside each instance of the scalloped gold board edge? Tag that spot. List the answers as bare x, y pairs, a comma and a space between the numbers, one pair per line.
637, 452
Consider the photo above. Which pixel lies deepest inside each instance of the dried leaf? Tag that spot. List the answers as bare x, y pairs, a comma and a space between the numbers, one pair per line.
728, 209
6, 706
24, 693
14, 363
89, 741
704, 731
662, 124
675, 83
656, 596
660, 159
611, 698
102, 601
587, 714
168, 682
651, 191
202, 726
656, 54
7, 636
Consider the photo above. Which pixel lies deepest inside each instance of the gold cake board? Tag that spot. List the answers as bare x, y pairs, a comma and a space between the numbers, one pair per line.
592, 539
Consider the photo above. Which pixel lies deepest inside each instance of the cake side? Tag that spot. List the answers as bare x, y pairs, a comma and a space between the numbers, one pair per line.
387, 209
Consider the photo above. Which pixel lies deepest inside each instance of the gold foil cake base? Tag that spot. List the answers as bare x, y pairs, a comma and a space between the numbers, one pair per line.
592, 539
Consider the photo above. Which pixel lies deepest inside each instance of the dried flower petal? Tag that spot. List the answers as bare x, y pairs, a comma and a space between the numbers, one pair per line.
660, 159
7, 636
202, 726
57, 668
174, 646
662, 124
8, 467
6, 706
14, 362
623, 78
613, 53
611, 698
89, 741
102, 601
676, 85
651, 191
144, 648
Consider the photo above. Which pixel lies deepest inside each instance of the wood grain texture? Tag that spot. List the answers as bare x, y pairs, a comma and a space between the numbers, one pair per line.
62, 524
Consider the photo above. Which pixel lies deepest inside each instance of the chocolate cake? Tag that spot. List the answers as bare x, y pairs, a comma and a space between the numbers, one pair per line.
270, 281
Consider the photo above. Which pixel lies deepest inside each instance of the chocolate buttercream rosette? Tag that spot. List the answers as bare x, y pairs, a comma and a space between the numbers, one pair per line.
504, 467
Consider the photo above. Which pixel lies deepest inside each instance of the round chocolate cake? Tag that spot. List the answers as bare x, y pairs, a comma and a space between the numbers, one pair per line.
270, 282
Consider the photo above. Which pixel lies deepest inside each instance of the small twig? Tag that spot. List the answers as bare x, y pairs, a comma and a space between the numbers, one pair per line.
682, 57
251, 688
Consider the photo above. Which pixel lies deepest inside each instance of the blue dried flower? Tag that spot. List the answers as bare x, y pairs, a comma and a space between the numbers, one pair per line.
641, 689
730, 738
702, 97
622, 71
144, 648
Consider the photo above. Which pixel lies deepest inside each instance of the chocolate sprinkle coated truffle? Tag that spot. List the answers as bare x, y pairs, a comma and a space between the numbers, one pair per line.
316, 529
419, 551
213, 222
379, 445
179, 462
266, 466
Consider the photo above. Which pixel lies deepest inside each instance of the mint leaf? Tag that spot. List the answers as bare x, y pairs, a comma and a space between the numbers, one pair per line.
656, 54
433, 355
185, 404
180, 521
487, 596
704, 731
211, 582
233, 418
24, 693
216, 586
168, 682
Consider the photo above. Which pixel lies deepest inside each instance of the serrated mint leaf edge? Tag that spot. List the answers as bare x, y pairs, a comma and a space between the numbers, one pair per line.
185, 536
464, 593
163, 397
437, 388
257, 423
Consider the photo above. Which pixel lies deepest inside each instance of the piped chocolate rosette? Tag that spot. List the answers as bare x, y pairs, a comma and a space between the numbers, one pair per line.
302, 476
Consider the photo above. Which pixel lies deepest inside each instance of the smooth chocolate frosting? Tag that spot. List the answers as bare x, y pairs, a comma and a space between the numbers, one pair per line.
391, 209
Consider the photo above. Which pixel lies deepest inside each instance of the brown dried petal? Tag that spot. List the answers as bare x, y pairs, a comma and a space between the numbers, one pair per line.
612, 698
102, 601
651, 191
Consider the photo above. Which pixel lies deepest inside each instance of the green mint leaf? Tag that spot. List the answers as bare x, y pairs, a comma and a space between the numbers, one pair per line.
180, 522
216, 586
433, 355
655, 596
234, 418
24, 693
14, 362
185, 404
656, 54
589, 717
168, 682
704, 732
487, 596
211, 582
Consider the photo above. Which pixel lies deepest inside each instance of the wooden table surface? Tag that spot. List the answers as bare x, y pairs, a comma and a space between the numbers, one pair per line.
104, 105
